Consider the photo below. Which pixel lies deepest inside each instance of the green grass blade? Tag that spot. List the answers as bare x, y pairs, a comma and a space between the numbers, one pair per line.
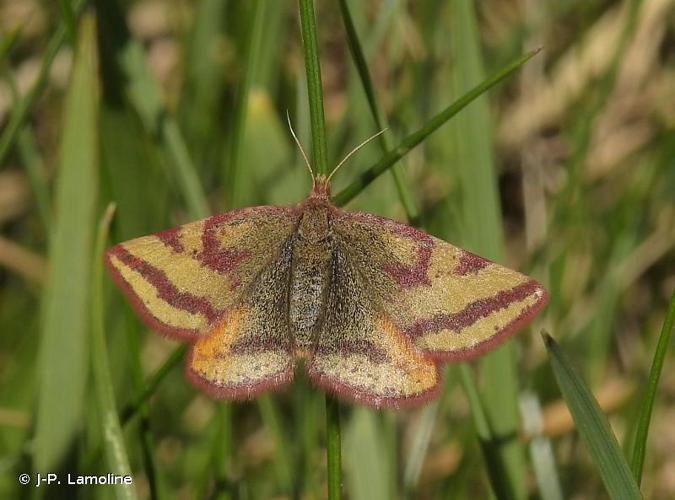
129, 411
69, 18
420, 444
386, 162
647, 406
270, 59
63, 345
472, 162
313, 70
473, 143
367, 471
593, 426
204, 76
359, 59
234, 168
8, 42
143, 93
499, 478
32, 162
283, 462
145, 96
188, 180
21, 108
112, 438
35, 169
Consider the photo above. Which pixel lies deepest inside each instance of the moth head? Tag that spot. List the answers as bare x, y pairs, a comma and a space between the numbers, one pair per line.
321, 187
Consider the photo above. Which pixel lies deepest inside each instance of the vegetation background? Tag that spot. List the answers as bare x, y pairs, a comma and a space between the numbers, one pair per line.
175, 109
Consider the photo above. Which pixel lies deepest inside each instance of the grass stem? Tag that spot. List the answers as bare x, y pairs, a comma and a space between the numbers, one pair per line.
315, 93
333, 448
319, 152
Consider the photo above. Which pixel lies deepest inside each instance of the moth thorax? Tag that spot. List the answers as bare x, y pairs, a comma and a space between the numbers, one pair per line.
310, 278
314, 226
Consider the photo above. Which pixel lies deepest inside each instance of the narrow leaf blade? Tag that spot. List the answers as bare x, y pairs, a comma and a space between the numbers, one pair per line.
593, 426
63, 345
112, 438
642, 429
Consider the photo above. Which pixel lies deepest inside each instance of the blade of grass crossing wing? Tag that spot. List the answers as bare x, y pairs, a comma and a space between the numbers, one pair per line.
63, 344
593, 426
481, 232
644, 419
113, 440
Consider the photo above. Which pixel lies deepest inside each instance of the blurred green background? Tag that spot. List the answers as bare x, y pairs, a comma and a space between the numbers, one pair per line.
175, 109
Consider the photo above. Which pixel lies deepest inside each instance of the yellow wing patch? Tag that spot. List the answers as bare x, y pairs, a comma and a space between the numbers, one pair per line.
451, 304
180, 281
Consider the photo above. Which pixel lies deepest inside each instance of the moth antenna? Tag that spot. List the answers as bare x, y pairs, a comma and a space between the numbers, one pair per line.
304, 155
354, 151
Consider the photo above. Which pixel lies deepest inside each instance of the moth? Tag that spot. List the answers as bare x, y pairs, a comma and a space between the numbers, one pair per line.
369, 305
